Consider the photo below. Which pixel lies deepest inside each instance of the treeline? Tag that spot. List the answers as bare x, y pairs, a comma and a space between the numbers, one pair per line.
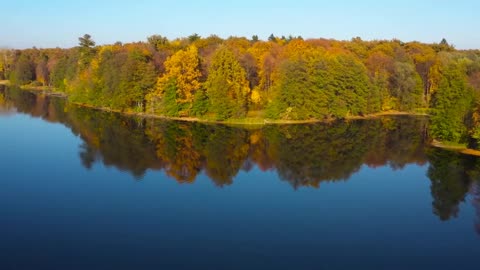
282, 78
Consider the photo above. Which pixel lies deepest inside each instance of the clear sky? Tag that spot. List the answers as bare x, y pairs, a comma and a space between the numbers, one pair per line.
52, 23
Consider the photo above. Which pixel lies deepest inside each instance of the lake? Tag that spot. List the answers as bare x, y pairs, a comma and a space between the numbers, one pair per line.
86, 189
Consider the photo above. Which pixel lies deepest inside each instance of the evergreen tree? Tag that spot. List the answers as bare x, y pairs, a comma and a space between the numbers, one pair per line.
227, 86
200, 103
299, 96
350, 85
138, 77
170, 106
87, 50
451, 105
315, 85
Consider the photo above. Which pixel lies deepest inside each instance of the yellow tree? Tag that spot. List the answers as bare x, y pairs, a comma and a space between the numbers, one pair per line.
237, 44
266, 56
182, 68
296, 48
424, 58
176, 148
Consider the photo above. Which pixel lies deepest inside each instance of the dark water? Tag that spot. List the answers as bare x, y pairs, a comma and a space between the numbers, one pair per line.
83, 189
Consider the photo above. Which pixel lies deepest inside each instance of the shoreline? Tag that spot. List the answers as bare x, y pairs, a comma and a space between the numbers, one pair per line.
244, 121
462, 149
238, 122
249, 122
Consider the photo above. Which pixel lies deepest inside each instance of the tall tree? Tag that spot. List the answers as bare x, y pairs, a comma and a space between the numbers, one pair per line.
87, 51
183, 69
451, 105
138, 78
227, 86
349, 85
86, 41
298, 95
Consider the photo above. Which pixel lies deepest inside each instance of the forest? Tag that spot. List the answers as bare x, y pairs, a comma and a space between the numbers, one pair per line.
282, 78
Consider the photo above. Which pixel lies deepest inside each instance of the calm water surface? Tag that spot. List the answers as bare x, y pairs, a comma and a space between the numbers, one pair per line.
83, 189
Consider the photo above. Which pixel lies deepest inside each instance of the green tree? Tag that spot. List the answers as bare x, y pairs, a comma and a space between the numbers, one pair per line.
451, 105
443, 46
4, 56
138, 77
227, 86
350, 86
317, 85
87, 50
170, 106
108, 76
158, 42
272, 38
299, 93
200, 103
23, 71
86, 41
194, 37
406, 86
63, 69
448, 172
378, 95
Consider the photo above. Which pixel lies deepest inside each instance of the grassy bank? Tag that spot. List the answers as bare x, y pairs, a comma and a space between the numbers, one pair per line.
457, 147
248, 121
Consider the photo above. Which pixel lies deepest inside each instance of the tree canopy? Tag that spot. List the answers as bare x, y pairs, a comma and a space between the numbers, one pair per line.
279, 78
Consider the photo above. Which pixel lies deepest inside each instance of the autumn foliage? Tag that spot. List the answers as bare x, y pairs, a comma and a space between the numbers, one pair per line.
281, 78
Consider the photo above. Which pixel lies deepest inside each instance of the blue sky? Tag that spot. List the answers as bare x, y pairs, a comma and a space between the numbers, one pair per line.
52, 23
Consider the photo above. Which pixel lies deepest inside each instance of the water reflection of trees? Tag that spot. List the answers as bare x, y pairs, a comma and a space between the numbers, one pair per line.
185, 149
6, 104
454, 176
116, 141
303, 155
306, 155
475, 191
